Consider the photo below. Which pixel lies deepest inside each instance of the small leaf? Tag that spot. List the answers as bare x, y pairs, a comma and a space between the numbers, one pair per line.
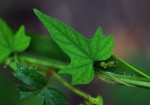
53, 97
11, 43
6, 40
30, 77
6, 34
82, 52
21, 41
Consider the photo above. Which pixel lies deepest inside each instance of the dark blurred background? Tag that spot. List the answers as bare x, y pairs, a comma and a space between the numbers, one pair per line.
128, 20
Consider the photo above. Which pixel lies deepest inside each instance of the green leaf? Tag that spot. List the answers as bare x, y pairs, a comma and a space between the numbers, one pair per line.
4, 53
6, 34
124, 74
24, 91
31, 100
6, 40
21, 41
53, 97
30, 77
101, 46
11, 43
82, 52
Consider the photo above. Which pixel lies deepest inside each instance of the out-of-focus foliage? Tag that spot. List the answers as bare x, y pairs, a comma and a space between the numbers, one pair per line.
53, 97
9, 42
36, 84
30, 77
46, 47
21, 41
31, 100
8, 92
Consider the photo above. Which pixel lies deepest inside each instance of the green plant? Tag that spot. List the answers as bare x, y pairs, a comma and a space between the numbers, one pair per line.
89, 58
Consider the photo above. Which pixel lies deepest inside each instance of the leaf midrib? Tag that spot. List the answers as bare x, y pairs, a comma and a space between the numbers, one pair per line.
72, 42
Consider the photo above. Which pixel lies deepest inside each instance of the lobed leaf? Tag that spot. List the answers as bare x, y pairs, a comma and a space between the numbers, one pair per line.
82, 52
11, 43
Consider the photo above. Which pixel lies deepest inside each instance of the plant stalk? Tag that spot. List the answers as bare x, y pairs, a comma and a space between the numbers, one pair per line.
133, 68
44, 62
65, 83
124, 80
92, 100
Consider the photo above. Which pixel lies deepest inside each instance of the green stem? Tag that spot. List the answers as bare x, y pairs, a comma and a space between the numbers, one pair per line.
55, 64
59, 65
96, 101
133, 68
84, 95
117, 80
125, 80
136, 82
16, 57
44, 62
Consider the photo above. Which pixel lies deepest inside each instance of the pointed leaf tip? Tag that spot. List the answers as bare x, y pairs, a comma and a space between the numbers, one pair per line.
21, 41
36, 11
81, 51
